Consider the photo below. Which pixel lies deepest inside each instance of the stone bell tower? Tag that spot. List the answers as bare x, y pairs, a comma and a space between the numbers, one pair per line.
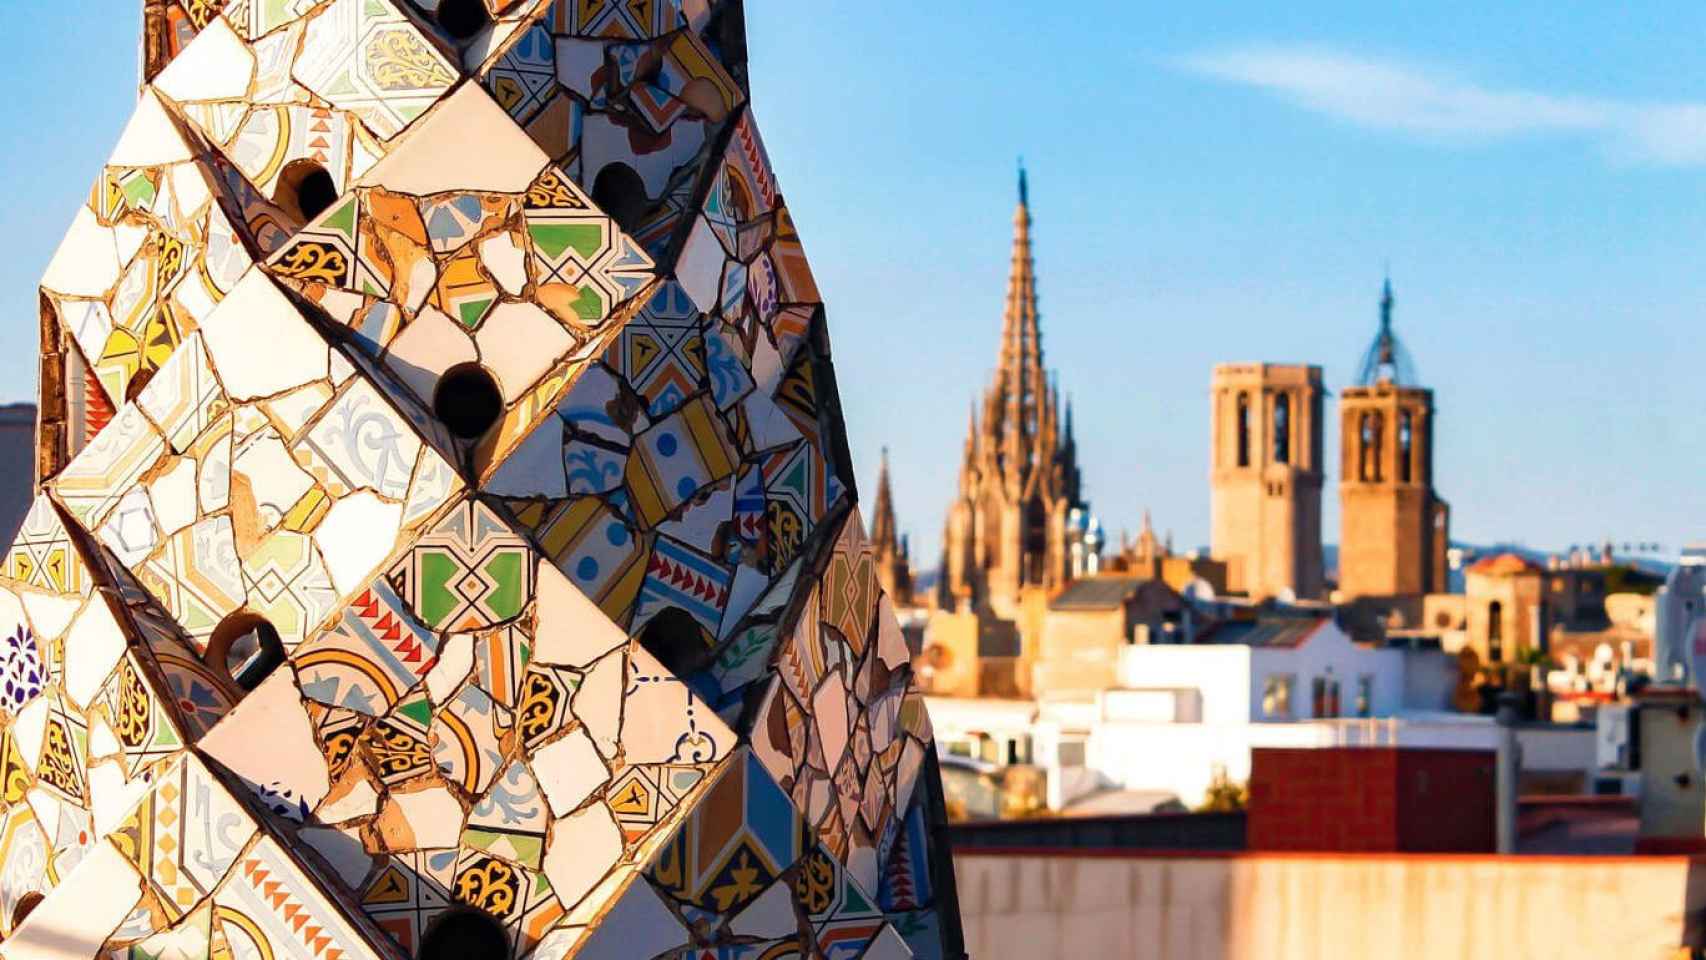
1266, 477
1395, 528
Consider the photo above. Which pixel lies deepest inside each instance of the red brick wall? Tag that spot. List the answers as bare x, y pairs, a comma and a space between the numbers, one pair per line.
1445, 801
1371, 800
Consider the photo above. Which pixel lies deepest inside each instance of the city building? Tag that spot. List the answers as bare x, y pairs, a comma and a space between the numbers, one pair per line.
17, 465
1266, 477
1394, 529
1152, 558
1086, 625
1007, 528
1503, 610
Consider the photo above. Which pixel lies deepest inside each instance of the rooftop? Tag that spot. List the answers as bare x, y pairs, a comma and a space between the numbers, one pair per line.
1275, 632
1504, 565
1097, 593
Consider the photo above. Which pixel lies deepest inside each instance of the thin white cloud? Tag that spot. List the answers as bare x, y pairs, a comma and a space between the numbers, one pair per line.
1435, 105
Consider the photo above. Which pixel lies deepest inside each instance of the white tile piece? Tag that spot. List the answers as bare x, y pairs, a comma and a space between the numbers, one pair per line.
366, 442
292, 760
507, 160
49, 613
87, 263
213, 482
770, 917
274, 481
663, 721
358, 800
343, 852
216, 65
355, 537
455, 662
519, 343
29, 727
534, 469
700, 269
558, 943
639, 925
861, 863
46, 807
92, 648
583, 848
598, 702
891, 642
577, 61
129, 530
292, 411
189, 184
568, 772
173, 496
888, 945
80, 914
572, 631
112, 797
151, 139
260, 344
829, 710
342, 369
506, 261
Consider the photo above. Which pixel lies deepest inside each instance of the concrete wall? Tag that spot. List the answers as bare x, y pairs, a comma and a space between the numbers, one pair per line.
1304, 907
1220, 673
1080, 649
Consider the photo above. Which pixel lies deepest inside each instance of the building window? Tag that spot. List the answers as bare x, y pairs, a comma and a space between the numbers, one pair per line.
1405, 447
1282, 428
1368, 463
1325, 697
1276, 697
1243, 429
1495, 632
1365, 695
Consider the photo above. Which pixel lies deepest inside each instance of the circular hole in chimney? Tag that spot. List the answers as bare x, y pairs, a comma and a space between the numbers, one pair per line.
305, 188
467, 401
246, 648
464, 935
621, 194
462, 19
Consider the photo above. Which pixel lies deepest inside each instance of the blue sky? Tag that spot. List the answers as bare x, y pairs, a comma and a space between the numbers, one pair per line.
1210, 182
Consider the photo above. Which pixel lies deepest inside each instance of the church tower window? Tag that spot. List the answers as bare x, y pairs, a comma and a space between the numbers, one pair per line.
1495, 632
1405, 447
1282, 428
1373, 428
1243, 429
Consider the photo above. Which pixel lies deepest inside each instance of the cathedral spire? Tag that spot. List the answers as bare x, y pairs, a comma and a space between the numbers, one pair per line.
1019, 383
882, 512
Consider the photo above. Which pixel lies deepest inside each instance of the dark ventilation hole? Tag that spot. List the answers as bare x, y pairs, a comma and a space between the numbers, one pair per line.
305, 188
26, 906
464, 935
621, 194
462, 19
674, 637
468, 401
246, 648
